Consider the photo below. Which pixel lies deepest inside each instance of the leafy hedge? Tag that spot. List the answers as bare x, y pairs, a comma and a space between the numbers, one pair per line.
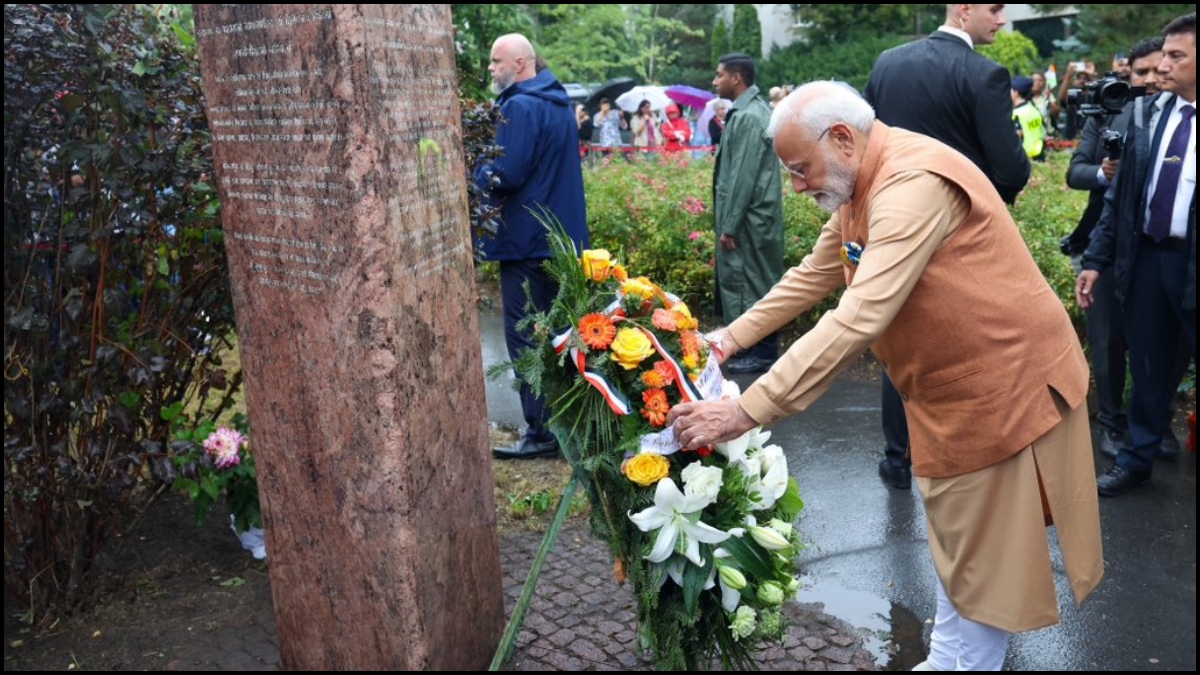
116, 293
657, 217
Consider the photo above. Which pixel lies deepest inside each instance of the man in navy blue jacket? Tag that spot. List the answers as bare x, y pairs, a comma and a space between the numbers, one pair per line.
538, 172
1146, 239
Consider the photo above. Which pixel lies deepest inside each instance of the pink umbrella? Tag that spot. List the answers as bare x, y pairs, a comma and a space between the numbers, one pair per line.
689, 96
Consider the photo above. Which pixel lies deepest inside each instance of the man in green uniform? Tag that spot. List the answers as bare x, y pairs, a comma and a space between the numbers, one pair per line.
748, 206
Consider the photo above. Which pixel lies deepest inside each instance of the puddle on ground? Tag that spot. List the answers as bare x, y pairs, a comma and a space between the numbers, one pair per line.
891, 632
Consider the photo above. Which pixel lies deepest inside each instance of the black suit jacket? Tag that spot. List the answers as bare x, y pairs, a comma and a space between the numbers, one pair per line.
1082, 174
938, 86
1115, 241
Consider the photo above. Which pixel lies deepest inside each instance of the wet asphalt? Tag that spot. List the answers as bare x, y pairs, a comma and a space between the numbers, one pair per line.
868, 561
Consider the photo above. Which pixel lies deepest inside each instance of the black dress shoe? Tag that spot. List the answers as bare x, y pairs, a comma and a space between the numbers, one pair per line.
1117, 481
748, 364
1110, 442
899, 475
1169, 448
527, 448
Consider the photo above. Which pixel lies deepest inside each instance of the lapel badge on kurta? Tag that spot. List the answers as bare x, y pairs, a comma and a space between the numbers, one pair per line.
851, 253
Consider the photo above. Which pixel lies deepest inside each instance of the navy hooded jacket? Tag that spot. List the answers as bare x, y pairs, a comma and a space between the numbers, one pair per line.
539, 169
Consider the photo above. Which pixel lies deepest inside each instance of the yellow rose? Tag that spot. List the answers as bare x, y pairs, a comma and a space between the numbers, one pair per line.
691, 361
647, 468
597, 264
641, 287
619, 272
631, 347
683, 317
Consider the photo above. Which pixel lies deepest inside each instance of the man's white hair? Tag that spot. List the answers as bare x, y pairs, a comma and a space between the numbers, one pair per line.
819, 105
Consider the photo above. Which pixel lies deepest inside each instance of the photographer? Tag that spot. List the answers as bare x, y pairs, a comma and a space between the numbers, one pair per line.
1093, 167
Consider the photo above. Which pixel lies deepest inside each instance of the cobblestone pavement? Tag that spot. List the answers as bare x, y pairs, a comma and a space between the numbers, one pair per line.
582, 619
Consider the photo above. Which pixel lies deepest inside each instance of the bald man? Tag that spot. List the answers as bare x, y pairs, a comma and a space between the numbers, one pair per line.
992, 375
538, 176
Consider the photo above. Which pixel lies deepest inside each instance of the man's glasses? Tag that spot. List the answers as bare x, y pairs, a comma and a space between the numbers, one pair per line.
803, 164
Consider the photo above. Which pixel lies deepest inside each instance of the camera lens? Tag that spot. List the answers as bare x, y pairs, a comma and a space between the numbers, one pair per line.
1115, 94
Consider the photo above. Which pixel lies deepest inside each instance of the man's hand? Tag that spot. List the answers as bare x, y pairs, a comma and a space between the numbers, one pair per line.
1109, 168
729, 242
722, 344
706, 423
1083, 287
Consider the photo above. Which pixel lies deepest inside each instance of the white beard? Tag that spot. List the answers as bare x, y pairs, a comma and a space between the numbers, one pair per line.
839, 187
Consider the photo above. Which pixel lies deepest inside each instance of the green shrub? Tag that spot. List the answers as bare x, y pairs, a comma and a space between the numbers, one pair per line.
1046, 211
116, 290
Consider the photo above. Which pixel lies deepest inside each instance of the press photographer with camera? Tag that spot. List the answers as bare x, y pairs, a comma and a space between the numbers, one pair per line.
1093, 167
1145, 239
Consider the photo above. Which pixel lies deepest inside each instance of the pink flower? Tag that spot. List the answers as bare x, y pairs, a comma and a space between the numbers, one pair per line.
225, 446
694, 206
695, 235
664, 320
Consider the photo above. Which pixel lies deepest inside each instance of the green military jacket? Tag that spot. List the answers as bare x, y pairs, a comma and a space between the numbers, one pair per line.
748, 205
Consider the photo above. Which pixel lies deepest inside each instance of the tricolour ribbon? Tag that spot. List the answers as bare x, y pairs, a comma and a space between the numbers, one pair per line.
617, 402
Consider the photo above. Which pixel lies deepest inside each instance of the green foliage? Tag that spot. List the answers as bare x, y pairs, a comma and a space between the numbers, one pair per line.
831, 25
1014, 51
116, 294
1046, 211
656, 39
1111, 28
479, 122
204, 482
693, 65
476, 28
720, 41
586, 43
847, 61
746, 36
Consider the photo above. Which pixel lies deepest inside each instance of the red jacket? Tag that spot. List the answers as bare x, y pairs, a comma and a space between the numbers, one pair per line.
676, 131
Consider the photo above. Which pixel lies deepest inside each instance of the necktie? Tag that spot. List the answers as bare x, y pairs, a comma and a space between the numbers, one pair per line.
1162, 204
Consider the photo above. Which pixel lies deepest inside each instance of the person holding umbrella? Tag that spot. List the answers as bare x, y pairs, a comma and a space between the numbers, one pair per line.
676, 131
610, 122
647, 136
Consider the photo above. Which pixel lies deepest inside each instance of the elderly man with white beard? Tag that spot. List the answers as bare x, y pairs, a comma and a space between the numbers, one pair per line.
940, 285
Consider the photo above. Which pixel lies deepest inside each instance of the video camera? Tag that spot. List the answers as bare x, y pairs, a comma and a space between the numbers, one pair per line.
1107, 96
1113, 142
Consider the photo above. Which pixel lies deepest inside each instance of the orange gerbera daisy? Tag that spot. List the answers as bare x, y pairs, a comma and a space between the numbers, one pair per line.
656, 408
652, 379
597, 331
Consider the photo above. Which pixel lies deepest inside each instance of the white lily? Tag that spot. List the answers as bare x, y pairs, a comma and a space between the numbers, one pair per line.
769, 539
774, 481
677, 518
731, 579
735, 450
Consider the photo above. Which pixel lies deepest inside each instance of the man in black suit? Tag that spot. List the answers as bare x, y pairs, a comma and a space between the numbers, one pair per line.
940, 87
1146, 239
1093, 167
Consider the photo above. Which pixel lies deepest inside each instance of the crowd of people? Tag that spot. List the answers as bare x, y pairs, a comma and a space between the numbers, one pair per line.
985, 394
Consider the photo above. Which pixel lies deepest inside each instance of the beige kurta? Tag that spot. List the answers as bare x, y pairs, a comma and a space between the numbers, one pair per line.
995, 372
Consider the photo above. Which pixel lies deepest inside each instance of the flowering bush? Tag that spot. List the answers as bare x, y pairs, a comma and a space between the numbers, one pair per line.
705, 537
217, 462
